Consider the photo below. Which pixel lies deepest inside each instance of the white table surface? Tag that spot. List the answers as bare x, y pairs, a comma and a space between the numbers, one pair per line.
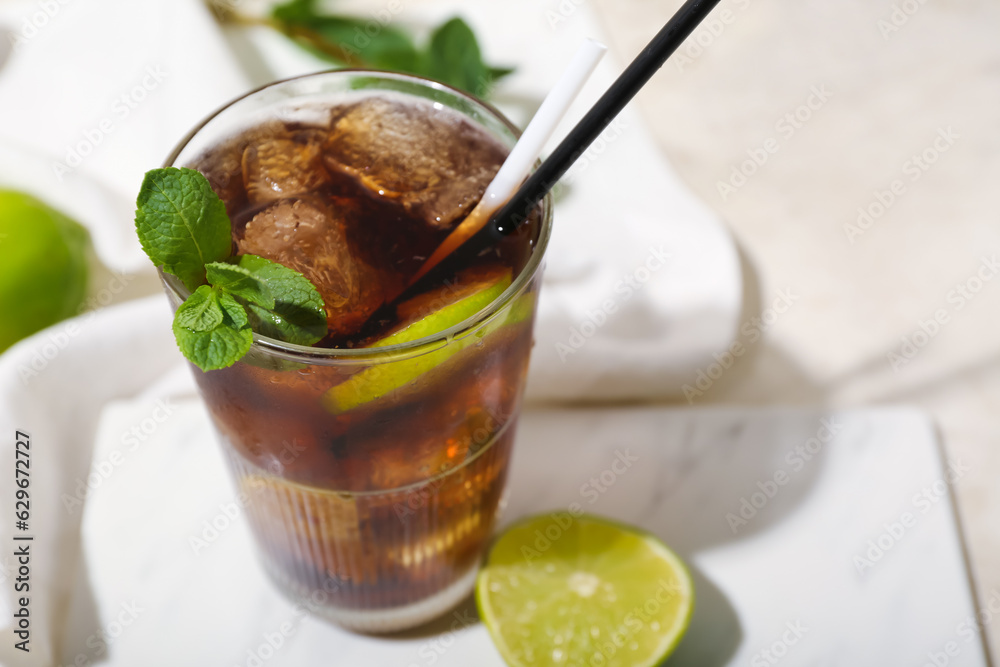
892, 90
794, 564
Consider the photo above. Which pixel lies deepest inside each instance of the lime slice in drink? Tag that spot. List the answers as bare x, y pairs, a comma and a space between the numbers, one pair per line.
565, 590
427, 314
43, 272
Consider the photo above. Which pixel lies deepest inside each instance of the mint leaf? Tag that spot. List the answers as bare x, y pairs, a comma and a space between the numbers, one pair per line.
346, 40
239, 282
497, 73
223, 344
201, 311
183, 226
295, 11
454, 57
298, 316
336, 39
181, 223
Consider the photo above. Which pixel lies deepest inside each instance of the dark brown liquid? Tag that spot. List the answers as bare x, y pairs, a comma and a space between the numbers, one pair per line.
386, 234
393, 499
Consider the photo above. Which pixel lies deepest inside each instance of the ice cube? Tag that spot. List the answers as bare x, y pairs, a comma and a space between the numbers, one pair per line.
434, 162
311, 238
278, 168
222, 167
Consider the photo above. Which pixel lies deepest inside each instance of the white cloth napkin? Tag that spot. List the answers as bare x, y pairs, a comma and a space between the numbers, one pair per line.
54, 386
642, 285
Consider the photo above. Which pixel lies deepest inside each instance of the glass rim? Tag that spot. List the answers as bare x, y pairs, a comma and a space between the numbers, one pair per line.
330, 356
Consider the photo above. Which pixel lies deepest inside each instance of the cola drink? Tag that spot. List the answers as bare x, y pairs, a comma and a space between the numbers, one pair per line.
372, 465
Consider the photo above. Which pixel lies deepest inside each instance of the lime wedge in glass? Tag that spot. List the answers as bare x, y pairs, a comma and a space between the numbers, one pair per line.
565, 590
427, 314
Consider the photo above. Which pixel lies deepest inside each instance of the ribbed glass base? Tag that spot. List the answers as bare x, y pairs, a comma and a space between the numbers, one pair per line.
381, 621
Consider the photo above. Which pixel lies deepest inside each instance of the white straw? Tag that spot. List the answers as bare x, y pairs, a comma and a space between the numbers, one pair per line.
518, 164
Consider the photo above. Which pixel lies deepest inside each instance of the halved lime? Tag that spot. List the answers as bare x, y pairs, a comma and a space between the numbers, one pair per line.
568, 590
427, 314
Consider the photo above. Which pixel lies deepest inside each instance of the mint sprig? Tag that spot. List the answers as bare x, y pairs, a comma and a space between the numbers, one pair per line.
452, 55
241, 282
212, 343
183, 226
298, 316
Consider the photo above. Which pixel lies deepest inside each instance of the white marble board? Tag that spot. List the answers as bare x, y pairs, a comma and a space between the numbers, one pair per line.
789, 581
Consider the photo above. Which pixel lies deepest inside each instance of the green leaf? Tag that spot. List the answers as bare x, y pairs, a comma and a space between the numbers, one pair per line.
201, 311
295, 11
298, 316
388, 48
346, 40
240, 282
497, 73
181, 223
222, 345
454, 56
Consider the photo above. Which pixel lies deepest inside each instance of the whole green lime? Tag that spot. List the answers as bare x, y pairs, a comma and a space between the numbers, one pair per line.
43, 266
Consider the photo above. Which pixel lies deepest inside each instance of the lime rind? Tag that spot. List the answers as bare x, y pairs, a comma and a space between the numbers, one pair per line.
538, 615
379, 380
448, 316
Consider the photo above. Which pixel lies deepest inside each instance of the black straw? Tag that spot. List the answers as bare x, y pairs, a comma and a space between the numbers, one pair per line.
576, 143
